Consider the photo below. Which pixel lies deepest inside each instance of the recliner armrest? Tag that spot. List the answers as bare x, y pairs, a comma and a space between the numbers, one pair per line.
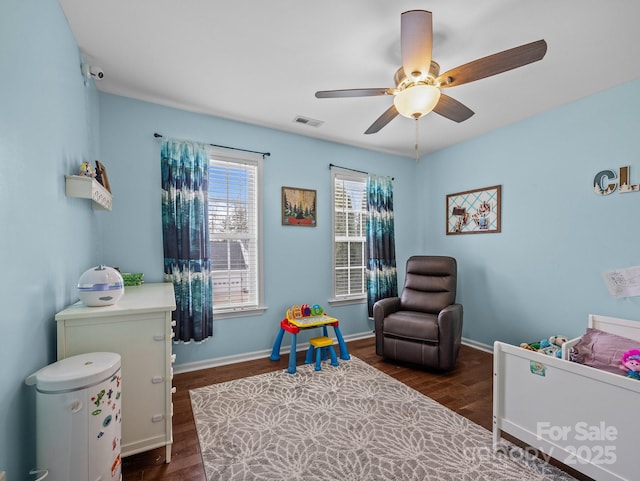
384, 307
381, 309
450, 321
449, 314
450, 326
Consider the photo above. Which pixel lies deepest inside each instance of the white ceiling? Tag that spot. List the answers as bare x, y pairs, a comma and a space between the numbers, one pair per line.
261, 61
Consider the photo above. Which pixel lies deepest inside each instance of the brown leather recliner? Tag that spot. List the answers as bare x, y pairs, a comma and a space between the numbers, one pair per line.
424, 325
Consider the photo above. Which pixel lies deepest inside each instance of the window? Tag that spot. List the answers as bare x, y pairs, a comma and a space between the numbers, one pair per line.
349, 224
234, 231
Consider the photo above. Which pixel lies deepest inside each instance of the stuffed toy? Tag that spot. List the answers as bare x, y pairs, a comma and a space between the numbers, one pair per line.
554, 351
630, 362
557, 342
550, 347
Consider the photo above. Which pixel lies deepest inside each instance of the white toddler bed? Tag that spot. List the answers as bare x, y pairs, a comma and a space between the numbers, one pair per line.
586, 418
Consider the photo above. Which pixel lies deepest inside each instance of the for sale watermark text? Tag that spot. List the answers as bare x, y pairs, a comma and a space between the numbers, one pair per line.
587, 443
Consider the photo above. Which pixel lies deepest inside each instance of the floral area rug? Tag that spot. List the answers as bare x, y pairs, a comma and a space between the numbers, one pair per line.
348, 423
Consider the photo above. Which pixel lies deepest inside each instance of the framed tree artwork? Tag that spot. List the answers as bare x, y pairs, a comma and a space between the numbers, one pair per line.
298, 207
474, 211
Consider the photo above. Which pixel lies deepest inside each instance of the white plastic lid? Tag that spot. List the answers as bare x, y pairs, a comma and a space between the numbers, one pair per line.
75, 372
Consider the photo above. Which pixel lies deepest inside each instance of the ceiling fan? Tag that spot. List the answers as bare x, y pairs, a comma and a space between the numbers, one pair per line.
419, 82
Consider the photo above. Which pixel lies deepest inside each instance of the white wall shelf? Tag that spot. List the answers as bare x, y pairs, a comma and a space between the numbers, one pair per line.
88, 188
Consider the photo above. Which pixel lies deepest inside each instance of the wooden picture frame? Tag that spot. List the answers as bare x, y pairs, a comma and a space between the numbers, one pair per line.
474, 211
299, 207
101, 175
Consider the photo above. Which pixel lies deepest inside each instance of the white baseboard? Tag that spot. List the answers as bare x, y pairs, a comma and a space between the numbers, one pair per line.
250, 356
477, 345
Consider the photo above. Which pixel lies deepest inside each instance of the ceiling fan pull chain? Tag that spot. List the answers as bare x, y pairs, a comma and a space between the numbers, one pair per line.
417, 157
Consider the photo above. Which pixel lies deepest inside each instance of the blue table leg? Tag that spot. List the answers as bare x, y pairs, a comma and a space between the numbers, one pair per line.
309, 358
292, 355
325, 334
344, 353
275, 352
318, 358
334, 358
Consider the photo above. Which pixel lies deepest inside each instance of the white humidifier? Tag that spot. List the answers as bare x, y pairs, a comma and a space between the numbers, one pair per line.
100, 286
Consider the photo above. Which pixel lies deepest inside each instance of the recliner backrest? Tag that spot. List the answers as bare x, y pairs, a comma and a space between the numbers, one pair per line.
430, 284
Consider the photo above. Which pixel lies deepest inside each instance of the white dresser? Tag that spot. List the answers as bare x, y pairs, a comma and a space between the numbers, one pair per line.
139, 328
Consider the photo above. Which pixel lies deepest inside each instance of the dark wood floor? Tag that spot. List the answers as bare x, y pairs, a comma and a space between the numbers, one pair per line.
466, 390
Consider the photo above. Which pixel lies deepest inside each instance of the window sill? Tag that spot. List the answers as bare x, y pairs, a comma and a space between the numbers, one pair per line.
239, 312
347, 301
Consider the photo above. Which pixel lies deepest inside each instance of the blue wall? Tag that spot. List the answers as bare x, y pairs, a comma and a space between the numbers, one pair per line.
542, 275
48, 126
297, 259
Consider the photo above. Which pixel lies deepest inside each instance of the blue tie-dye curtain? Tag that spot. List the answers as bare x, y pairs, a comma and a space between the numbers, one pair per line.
382, 279
187, 263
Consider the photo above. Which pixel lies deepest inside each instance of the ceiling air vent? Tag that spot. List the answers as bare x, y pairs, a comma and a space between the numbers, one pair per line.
307, 121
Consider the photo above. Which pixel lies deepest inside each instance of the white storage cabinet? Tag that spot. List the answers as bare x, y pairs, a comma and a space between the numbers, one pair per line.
139, 328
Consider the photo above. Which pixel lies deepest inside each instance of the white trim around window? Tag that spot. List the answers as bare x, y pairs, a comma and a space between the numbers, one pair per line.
235, 230
348, 224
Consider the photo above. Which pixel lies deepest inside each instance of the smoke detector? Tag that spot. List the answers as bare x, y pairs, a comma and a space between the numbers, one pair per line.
307, 121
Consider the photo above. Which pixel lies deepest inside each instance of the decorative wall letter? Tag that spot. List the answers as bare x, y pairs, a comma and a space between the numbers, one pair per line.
625, 185
598, 182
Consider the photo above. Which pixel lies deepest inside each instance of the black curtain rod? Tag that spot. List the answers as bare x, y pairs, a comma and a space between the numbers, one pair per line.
347, 168
267, 154
353, 170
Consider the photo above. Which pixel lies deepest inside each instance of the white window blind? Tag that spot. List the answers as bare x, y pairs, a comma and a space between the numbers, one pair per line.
349, 224
234, 229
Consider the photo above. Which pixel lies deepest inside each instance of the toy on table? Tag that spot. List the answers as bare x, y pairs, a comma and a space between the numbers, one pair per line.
305, 310
294, 313
550, 347
630, 362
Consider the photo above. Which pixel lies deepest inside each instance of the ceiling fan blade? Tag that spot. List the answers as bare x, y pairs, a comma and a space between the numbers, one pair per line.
452, 109
416, 35
494, 64
389, 114
332, 94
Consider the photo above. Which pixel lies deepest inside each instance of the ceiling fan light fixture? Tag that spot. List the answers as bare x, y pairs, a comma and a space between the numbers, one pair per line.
416, 101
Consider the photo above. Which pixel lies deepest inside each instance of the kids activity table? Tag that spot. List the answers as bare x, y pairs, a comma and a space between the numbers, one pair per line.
294, 326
